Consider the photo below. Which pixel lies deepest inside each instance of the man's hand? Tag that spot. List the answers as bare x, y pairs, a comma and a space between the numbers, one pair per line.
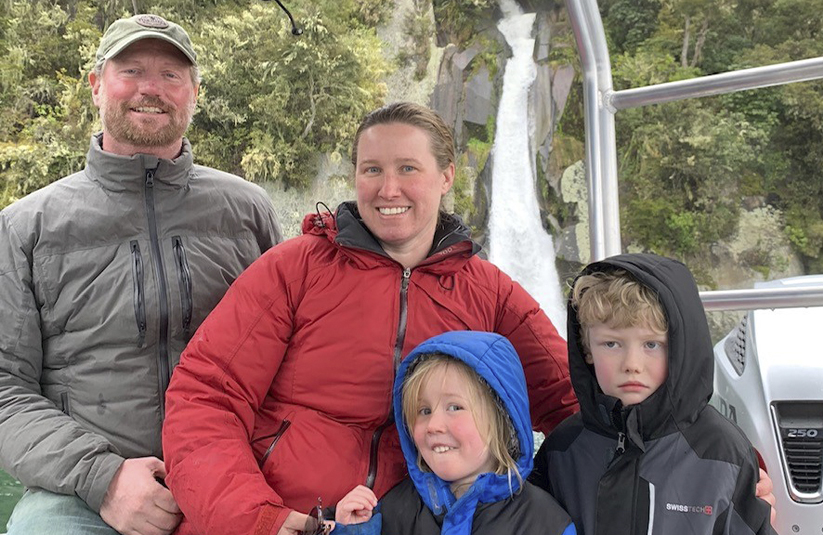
764, 491
136, 504
356, 507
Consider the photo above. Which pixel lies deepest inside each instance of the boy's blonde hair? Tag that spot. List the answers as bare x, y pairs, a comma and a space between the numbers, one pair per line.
490, 417
616, 299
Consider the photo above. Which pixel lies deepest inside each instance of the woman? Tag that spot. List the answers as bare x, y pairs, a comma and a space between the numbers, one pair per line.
283, 395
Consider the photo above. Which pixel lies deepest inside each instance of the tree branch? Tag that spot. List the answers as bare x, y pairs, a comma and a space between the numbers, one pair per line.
701, 40
313, 103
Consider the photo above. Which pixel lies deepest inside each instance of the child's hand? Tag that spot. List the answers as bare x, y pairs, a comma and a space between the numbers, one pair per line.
356, 506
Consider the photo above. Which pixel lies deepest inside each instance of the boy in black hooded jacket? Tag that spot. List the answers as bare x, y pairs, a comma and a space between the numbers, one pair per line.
647, 455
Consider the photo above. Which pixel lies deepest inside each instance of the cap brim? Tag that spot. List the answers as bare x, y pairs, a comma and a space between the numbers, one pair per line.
146, 34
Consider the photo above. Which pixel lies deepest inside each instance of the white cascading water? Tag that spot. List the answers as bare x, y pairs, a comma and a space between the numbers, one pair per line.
517, 241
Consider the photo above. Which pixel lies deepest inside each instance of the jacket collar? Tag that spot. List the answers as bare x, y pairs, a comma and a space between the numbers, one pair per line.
688, 387
127, 173
494, 359
452, 237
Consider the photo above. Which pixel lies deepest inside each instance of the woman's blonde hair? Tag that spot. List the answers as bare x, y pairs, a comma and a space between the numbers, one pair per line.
490, 417
616, 299
441, 138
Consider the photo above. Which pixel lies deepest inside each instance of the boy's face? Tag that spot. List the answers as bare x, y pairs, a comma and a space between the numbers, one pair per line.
445, 431
630, 363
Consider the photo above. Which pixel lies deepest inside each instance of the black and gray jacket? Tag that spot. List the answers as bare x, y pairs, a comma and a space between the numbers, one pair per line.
104, 277
669, 465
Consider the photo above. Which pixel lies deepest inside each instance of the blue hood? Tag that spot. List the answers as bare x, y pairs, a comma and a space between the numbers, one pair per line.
493, 358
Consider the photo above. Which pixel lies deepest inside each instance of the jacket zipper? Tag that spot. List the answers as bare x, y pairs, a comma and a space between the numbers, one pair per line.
163, 343
184, 280
398, 353
621, 444
139, 298
275, 438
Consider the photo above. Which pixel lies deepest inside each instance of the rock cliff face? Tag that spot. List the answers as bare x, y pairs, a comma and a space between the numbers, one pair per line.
466, 94
463, 80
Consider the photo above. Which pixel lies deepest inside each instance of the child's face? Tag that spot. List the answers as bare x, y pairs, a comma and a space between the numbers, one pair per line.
445, 433
630, 362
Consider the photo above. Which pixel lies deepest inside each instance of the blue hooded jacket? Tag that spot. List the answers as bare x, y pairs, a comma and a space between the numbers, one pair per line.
495, 360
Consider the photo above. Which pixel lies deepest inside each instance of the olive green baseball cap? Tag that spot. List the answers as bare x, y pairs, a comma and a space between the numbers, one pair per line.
124, 32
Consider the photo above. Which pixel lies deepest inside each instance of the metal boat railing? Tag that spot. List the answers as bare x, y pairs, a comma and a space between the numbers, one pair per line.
601, 102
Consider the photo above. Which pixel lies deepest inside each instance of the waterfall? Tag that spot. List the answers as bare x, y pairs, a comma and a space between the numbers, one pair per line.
517, 241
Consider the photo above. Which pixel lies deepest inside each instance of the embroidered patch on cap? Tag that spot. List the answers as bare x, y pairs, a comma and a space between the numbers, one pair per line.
151, 21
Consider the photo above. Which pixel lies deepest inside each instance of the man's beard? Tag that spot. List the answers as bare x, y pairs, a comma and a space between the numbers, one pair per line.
118, 124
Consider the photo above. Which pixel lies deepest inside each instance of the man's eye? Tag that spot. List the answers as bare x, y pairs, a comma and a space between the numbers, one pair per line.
372, 170
407, 169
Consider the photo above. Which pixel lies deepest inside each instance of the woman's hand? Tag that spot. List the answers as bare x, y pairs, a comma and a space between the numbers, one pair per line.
294, 524
356, 507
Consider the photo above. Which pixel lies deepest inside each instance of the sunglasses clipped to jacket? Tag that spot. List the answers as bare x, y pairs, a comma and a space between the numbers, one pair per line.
316, 523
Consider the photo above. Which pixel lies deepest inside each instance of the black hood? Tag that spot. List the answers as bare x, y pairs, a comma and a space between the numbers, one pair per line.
688, 387
353, 232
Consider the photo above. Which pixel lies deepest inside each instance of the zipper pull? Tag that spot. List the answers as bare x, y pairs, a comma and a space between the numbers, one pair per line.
149, 178
406, 276
621, 443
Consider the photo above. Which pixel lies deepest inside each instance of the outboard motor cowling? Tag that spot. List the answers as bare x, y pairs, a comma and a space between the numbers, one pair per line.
769, 381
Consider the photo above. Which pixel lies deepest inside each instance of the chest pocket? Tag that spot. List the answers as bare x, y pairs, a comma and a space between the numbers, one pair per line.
91, 295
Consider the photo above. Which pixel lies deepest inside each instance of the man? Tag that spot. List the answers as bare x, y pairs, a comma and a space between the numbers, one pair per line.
104, 276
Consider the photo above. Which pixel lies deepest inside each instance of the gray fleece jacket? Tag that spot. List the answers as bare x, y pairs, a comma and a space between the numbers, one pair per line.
104, 276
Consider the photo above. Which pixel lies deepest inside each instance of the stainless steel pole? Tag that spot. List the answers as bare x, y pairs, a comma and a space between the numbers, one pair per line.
716, 84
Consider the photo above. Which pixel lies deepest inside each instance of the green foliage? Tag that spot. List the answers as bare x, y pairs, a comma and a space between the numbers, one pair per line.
463, 188
418, 30
479, 151
684, 167
470, 162
629, 22
268, 105
460, 20
490, 51
272, 101
45, 106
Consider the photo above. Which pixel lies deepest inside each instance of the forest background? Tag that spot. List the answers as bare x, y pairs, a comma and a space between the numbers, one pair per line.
281, 110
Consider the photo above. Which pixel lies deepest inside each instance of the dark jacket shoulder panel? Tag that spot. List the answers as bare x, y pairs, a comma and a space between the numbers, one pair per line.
702, 437
530, 511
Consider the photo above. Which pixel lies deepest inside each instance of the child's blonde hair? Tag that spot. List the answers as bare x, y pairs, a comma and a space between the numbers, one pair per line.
490, 417
616, 299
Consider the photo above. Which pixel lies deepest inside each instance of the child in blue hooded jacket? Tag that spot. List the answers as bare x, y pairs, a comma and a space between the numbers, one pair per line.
462, 409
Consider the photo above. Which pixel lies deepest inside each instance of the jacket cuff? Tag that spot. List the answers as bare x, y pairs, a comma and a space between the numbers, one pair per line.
372, 526
270, 520
99, 480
